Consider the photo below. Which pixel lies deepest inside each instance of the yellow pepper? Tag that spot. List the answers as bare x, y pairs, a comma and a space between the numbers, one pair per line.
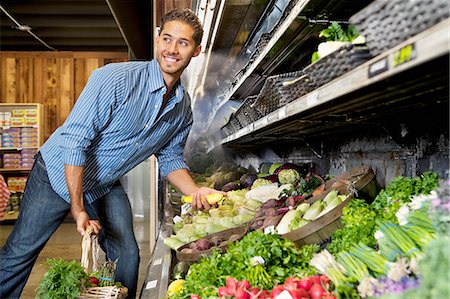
211, 198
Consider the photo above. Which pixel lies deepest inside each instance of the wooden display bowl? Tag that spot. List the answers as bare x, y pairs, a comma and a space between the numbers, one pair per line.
194, 256
320, 229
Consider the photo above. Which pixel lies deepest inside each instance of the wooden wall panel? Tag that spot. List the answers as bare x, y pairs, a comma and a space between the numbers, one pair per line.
54, 79
67, 89
10, 84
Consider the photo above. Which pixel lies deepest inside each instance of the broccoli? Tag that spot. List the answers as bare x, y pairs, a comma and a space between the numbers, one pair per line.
260, 182
288, 176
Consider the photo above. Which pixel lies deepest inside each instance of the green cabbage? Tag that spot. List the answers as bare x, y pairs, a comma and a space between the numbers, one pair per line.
288, 176
260, 182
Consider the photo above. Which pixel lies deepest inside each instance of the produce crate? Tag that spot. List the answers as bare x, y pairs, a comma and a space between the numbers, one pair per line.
386, 23
273, 95
335, 64
319, 230
224, 237
246, 114
233, 125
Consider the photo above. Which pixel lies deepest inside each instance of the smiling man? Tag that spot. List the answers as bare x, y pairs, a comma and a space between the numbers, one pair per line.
126, 112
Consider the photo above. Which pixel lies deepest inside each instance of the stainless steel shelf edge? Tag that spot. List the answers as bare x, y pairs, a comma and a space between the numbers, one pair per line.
432, 43
284, 26
158, 271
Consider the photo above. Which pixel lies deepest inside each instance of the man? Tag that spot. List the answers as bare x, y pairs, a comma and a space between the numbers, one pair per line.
126, 112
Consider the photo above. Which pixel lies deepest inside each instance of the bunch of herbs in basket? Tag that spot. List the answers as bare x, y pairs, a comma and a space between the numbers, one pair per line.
63, 279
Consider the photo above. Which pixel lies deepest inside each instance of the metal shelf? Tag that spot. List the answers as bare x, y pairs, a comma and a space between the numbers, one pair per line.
301, 4
422, 48
14, 169
17, 148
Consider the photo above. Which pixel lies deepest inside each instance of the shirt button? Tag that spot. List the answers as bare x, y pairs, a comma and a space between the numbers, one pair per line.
137, 143
146, 126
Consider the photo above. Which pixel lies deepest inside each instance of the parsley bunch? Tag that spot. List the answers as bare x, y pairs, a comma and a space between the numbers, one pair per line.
62, 280
358, 219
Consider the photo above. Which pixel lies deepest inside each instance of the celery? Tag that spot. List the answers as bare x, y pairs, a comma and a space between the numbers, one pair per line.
370, 257
354, 267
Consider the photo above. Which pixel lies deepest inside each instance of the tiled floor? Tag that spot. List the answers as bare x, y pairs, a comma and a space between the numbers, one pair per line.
66, 243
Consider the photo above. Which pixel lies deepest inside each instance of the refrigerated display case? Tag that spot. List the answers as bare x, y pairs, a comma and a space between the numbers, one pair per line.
390, 111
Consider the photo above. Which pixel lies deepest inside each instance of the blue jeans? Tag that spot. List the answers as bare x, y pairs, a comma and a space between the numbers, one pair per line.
42, 211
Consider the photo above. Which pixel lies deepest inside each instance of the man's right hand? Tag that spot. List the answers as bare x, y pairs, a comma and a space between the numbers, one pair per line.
83, 221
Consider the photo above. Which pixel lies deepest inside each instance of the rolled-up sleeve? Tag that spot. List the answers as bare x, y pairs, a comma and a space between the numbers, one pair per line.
89, 115
170, 157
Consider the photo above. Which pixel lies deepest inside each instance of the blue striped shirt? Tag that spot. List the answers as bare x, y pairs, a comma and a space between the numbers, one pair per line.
117, 122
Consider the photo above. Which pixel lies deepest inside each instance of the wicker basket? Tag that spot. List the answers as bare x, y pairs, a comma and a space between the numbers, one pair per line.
361, 181
386, 23
90, 248
319, 230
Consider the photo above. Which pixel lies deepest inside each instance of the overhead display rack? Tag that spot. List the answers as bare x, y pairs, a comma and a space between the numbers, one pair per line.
405, 58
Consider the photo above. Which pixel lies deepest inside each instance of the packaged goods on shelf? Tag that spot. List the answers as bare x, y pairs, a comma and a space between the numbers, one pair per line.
17, 184
17, 121
11, 160
5, 118
18, 113
31, 113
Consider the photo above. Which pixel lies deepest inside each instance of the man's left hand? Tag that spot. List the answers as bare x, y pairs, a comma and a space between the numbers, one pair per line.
199, 201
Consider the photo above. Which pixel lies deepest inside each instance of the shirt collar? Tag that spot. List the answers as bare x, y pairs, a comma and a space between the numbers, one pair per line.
157, 82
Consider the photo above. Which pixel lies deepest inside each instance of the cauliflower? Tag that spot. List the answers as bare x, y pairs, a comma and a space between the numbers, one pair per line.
260, 182
288, 176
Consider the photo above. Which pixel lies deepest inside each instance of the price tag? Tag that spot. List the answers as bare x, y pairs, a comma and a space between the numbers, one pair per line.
264, 121
404, 55
378, 67
311, 99
151, 284
282, 112
157, 262
185, 208
177, 219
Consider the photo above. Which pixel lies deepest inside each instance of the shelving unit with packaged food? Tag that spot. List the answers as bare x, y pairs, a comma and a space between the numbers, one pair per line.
21, 136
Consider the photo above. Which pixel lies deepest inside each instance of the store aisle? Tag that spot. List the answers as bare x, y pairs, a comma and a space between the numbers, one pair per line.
66, 243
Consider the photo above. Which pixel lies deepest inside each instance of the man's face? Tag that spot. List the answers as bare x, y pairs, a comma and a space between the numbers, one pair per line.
175, 47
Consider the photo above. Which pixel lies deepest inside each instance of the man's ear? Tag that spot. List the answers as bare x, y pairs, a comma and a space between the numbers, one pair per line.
197, 51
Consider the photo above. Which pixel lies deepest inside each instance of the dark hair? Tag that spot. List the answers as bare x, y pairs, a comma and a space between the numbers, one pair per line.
187, 16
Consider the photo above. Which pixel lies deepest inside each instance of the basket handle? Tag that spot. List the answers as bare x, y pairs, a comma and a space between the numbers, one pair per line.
89, 245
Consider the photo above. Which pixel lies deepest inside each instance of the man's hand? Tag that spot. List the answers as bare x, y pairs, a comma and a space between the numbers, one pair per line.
83, 221
199, 201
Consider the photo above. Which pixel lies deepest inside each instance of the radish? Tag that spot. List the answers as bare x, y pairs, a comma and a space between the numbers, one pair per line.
231, 284
242, 294
244, 284
276, 291
305, 283
292, 283
316, 291
224, 292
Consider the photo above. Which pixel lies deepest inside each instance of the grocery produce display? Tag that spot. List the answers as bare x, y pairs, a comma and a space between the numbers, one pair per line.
382, 249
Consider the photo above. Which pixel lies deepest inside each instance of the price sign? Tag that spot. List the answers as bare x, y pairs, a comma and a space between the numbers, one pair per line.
378, 67
404, 55
157, 262
151, 284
